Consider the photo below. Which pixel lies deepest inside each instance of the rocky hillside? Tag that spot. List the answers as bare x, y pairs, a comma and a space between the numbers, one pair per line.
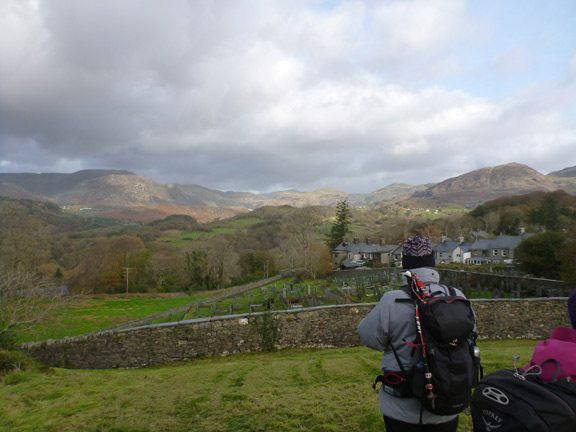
11, 190
566, 172
493, 182
116, 189
119, 193
50, 184
395, 192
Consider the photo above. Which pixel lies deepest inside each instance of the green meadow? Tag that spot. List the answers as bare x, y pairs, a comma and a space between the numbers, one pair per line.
179, 238
289, 390
97, 313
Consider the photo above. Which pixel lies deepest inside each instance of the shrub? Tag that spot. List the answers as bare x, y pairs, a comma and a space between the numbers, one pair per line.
15, 362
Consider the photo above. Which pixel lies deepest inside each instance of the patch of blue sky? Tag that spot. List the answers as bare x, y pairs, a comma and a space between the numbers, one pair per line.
520, 44
325, 5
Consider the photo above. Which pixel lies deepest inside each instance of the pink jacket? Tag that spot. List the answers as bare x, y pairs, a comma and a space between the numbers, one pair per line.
562, 347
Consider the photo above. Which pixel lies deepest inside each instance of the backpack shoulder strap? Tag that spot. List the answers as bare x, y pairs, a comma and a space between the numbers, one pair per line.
410, 298
451, 291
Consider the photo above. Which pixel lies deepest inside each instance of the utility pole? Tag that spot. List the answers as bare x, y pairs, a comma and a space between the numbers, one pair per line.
128, 270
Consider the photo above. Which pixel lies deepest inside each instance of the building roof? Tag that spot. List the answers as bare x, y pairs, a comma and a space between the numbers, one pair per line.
365, 247
501, 242
508, 242
446, 246
348, 263
481, 244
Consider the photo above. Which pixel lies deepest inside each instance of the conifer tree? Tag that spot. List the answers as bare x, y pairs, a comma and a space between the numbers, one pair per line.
341, 225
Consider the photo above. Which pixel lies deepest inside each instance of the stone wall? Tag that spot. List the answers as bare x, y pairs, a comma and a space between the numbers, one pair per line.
490, 285
232, 292
326, 327
485, 285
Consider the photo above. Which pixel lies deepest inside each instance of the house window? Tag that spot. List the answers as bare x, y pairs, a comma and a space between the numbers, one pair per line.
495, 252
440, 255
504, 253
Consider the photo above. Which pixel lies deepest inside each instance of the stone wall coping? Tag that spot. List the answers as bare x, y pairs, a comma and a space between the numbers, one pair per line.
321, 326
253, 314
245, 315
182, 322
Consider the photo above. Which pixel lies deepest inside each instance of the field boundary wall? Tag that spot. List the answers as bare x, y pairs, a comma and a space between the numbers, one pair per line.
240, 289
319, 327
486, 285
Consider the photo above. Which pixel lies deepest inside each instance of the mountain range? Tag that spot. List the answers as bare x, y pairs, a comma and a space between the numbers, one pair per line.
124, 194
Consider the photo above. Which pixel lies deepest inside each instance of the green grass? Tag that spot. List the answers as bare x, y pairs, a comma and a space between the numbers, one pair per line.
243, 223
179, 238
91, 314
290, 390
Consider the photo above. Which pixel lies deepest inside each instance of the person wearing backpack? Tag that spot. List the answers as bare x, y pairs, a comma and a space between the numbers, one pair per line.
391, 328
557, 355
541, 396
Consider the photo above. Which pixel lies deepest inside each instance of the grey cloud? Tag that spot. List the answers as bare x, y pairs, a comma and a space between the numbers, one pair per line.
257, 94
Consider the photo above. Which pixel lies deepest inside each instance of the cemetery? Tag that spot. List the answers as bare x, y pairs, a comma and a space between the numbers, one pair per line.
354, 287
286, 295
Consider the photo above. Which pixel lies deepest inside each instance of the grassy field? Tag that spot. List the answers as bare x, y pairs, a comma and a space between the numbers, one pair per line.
179, 238
96, 313
290, 390
100, 312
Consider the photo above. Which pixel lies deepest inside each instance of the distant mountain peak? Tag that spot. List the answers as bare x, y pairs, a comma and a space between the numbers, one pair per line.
566, 172
489, 183
121, 189
329, 191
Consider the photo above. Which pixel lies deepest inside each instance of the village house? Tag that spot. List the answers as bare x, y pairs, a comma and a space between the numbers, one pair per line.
495, 251
350, 255
450, 251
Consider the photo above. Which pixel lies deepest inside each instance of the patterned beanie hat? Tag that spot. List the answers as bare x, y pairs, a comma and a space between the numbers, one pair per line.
417, 252
572, 308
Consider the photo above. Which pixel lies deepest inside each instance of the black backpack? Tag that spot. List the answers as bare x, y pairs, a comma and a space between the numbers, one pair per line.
450, 363
515, 401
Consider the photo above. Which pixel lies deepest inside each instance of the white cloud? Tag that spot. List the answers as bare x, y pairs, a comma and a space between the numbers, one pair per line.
257, 94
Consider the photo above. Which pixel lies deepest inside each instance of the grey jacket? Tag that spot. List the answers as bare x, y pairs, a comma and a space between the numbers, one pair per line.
392, 323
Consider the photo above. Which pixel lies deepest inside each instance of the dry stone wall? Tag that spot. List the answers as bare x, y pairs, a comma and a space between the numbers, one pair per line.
326, 327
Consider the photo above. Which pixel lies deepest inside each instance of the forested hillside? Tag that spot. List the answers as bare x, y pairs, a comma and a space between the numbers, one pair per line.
177, 253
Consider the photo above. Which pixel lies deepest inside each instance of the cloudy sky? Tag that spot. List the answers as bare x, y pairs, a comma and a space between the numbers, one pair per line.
263, 95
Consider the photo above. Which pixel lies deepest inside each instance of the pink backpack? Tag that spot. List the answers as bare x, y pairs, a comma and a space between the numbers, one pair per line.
560, 347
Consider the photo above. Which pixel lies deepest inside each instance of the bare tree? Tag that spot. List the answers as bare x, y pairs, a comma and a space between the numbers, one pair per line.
318, 260
222, 260
27, 300
23, 238
301, 226
104, 266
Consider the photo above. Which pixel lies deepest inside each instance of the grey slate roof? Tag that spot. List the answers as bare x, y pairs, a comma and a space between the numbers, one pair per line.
446, 246
481, 244
501, 242
507, 242
365, 248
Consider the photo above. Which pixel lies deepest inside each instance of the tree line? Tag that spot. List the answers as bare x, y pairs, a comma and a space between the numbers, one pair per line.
88, 257
45, 252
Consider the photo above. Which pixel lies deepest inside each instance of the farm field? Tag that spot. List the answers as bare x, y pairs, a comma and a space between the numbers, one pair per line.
180, 238
289, 390
99, 312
